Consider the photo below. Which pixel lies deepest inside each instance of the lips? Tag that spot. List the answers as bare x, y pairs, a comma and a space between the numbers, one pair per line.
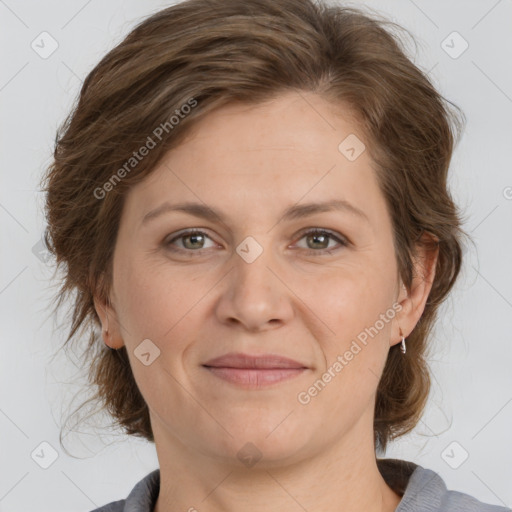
245, 361
254, 372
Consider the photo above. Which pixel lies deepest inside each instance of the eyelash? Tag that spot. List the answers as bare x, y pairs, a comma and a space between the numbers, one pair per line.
315, 231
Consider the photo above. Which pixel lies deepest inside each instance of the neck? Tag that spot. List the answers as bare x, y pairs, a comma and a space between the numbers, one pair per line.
343, 477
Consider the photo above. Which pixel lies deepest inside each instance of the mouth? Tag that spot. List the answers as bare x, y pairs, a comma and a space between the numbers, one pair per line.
254, 371
256, 362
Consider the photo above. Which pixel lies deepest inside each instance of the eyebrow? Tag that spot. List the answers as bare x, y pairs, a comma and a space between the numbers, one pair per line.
292, 213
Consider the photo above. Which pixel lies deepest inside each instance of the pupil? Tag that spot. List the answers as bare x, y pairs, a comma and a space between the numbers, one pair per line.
319, 236
193, 238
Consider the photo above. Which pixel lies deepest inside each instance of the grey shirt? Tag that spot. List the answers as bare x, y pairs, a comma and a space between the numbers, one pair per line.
422, 490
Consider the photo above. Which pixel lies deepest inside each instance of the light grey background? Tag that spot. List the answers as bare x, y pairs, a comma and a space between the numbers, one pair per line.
471, 403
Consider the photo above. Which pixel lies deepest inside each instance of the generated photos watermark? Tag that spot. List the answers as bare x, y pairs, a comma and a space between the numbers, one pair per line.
304, 397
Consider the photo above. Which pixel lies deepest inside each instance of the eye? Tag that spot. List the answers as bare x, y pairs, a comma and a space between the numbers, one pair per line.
192, 241
320, 238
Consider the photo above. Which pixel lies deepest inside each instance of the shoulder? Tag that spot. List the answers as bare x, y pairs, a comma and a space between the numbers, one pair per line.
457, 501
431, 488
142, 497
423, 490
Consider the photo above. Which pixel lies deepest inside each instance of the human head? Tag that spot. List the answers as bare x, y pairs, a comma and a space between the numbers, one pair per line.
210, 54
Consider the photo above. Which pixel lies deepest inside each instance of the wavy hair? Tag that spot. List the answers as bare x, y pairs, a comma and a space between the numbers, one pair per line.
215, 52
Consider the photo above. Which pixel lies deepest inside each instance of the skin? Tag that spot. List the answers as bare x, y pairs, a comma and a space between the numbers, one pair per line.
251, 163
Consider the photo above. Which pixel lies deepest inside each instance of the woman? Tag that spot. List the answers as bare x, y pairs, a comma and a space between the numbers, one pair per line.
250, 200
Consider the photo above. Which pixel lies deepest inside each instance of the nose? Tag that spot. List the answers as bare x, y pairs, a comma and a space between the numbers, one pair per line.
254, 295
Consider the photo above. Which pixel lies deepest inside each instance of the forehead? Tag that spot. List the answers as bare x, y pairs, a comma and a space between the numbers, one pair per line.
248, 157
298, 120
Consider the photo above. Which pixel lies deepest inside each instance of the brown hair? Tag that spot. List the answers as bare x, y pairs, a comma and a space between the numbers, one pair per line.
205, 54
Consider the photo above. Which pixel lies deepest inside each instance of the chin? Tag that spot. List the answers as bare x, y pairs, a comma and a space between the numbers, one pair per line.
262, 448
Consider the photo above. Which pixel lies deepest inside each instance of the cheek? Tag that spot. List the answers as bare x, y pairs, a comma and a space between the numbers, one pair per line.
157, 303
350, 299
155, 300
351, 303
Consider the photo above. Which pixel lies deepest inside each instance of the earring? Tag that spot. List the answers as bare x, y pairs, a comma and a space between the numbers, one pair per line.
106, 335
402, 348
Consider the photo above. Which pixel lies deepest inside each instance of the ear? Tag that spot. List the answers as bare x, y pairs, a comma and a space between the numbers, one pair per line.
109, 324
413, 301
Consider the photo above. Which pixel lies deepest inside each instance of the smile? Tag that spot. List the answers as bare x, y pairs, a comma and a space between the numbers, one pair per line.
254, 377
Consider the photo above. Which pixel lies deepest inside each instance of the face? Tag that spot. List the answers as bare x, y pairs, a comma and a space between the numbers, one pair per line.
256, 281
